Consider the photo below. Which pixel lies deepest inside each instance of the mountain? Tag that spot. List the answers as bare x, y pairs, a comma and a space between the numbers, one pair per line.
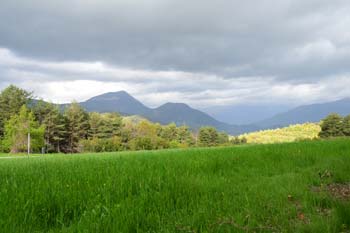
245, 113
183, 114
179, 113
307, 113
119, 101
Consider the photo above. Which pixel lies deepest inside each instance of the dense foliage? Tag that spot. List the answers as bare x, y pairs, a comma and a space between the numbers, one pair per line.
72, 129
335, 125
17, 129
11, 101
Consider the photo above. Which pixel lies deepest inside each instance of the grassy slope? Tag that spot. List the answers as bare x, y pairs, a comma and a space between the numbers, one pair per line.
286, 134
240, 189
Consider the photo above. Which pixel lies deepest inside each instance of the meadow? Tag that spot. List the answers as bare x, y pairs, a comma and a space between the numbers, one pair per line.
297, 132
248, 188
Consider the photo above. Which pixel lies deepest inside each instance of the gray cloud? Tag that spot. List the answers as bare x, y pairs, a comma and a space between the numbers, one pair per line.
187, 50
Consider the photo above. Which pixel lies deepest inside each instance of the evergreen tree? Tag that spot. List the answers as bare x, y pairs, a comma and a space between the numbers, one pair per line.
105, 125
95, 124
55, 130
77, 126
208, 136
50, 116
40, 109
17, 129
331, 126
11, 100
111, 125
346, 126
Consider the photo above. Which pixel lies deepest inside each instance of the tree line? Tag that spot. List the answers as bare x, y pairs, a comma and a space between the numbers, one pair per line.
54, 129
334, 125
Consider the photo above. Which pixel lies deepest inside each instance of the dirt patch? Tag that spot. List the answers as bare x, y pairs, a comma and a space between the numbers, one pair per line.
338, 191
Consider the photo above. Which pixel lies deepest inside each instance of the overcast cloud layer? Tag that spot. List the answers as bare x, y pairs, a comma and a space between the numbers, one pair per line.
204, 53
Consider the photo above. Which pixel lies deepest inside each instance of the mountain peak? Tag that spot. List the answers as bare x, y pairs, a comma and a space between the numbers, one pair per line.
174, 105
119, 101
112, 96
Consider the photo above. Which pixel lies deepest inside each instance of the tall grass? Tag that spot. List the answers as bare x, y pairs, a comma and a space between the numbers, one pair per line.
263, 188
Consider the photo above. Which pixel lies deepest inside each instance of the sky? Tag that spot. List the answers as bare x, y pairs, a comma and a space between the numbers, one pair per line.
203, 53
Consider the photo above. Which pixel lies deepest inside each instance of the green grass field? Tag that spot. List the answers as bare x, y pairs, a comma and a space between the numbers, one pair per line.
258, 188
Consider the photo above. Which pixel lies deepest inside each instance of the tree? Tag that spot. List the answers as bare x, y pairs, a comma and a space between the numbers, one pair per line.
331, 126
184, 136
11, 100
111, 125
17, 129
77, 126
50, 116
169, 132
145, 137
208, 136
238, 140
105, 125
223, 138
346, 126
101, 145
95, 123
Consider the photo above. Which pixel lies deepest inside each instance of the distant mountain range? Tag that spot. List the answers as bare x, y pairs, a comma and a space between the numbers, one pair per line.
182, 114
307, 113
179, 113
243, 114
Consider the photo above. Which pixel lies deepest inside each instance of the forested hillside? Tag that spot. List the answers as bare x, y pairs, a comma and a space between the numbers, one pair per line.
73, 129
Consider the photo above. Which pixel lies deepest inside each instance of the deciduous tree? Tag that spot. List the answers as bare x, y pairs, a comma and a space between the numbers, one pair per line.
17, 129
331, 126
12, 99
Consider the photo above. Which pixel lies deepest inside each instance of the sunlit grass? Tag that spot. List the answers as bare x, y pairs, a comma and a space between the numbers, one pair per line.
262, 188
291, 133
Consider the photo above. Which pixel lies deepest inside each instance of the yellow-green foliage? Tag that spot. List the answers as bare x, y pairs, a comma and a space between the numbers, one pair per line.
288, 134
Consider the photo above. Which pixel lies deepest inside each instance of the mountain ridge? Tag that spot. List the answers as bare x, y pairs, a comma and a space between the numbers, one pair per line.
307, 113
183, 114
179, 113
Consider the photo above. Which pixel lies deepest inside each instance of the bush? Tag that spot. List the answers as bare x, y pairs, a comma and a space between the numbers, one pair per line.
332, 126
100, 145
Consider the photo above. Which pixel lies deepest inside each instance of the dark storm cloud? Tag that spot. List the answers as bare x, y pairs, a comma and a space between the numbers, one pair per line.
228, 37
199, 52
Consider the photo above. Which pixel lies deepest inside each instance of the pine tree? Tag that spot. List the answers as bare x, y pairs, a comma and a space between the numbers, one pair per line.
55, 132
77, 126
111, 125
105, 125
50, 116
95, 124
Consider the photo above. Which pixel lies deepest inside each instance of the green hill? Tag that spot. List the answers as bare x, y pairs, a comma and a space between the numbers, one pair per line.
288, 134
